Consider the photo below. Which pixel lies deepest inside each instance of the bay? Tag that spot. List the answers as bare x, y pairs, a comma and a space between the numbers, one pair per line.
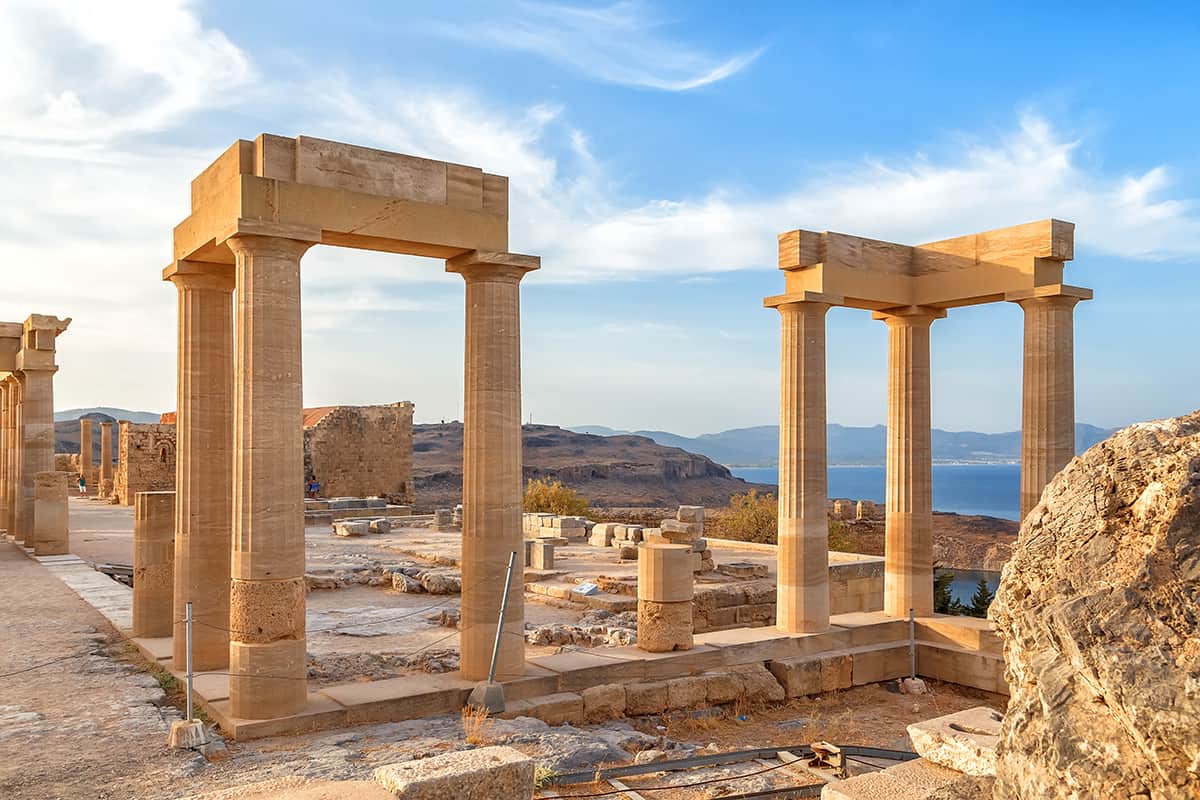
992, 490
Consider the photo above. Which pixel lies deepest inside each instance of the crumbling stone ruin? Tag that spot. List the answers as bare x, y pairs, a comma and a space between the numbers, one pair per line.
146, 461
1100, 618
360, 451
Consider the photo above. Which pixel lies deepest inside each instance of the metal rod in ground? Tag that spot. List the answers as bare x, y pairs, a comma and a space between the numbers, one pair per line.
912, 644
489, 694
188, 620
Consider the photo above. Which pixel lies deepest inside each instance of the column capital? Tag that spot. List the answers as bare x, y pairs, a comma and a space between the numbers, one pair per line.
1052, 294
485, 265
910, 315
201, 275
781, 301
259, 244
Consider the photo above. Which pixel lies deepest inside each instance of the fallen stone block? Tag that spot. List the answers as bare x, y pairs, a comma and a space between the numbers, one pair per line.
690, 514
808, 675
628, 552
553, 709
693, 529
404, 583
687, 693
441, 583
964, 741
381, 525
743, 569
351, 528
487, 773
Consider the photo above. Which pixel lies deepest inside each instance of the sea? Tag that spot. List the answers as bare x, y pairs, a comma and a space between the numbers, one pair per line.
992, 490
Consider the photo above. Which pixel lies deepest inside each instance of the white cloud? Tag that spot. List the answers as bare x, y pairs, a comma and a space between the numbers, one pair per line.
623, 43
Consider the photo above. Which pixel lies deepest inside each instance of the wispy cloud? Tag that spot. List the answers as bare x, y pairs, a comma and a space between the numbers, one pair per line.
623, 43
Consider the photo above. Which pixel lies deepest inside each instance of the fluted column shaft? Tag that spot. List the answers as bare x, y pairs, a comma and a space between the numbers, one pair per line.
491, 468
203, 462
5, 410
803, 557
12, 488
266, 603
37, 446
106, 459
908, 538
1048, 396
85, 453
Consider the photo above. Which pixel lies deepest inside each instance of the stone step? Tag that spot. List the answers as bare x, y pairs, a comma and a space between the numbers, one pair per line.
970, 633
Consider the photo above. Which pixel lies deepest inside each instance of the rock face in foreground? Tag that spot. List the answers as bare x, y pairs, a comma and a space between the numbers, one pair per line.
1099, 609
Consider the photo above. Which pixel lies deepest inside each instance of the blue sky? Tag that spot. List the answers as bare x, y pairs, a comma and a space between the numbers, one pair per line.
655, 150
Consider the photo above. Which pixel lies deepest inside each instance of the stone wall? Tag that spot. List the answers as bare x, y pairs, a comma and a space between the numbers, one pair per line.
146, 462
360, 451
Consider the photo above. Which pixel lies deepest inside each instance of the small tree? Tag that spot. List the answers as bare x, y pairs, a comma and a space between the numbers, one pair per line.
553, 498
943, 600
981, 599
750, 517
840, 538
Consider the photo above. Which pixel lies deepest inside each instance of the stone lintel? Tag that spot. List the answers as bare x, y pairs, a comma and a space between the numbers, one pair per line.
803, 296
346, 196
468, 262
1053, 290
275, 230
910, 311
11, 330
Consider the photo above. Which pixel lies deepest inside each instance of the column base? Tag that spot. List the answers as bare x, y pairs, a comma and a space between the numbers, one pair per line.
663, 627
268, 680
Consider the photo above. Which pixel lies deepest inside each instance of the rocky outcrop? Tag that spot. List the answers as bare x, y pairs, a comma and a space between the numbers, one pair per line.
1099, 610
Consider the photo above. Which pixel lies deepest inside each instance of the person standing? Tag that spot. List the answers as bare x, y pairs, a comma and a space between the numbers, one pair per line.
82, 486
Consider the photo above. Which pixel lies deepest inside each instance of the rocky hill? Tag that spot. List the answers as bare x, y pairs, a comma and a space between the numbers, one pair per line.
607, 470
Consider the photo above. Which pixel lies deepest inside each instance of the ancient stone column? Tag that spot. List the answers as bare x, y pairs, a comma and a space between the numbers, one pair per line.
5, 410
266, 599
50, 528
106, 460
1048, 396
203, 460
12, 455
85, 454
665, 588
802, 604
492, 461
154, 565
37, 447
908, 537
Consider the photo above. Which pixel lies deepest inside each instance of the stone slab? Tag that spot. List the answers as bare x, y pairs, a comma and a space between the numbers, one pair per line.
486, 773
964, 741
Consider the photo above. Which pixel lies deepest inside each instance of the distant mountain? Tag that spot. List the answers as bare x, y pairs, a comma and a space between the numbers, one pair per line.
140, 417
759, 446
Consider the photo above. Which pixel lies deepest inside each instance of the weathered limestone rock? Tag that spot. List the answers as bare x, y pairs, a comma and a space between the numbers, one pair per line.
805, 675
1097, 610
381, 525
488, 773
687, 693
665, 589
351, 528
964, 741
562, 708
646, 698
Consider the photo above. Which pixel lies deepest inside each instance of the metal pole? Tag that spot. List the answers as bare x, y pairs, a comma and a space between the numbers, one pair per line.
512, 559
188, 619
912, 644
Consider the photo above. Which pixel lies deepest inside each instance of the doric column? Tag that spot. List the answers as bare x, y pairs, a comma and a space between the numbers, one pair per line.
266, 601
85, 453
492, 461
908, 537
153, 557
5, 410
51, 527
37, 446
106, 460
1048, 396
802, 604
203, 460
13, 456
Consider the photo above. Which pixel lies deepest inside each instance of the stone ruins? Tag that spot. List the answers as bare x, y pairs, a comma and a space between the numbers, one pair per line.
33, 498
360, 451
145, 460
908, 288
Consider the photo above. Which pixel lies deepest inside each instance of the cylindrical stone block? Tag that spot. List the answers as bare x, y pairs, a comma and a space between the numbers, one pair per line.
153, 563
266, 611
665, 590
37, 447
50, 517
106, 458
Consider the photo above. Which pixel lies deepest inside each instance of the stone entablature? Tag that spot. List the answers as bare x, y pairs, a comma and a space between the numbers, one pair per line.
146, 462
360, 451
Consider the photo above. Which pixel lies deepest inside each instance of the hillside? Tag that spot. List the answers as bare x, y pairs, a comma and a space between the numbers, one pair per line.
759, 446
141, 417
609, 470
